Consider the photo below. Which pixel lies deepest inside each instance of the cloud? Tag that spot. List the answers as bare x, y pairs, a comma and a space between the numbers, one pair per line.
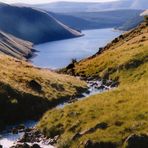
48, 1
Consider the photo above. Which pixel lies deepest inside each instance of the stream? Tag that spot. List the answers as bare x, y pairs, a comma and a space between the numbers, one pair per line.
58, 54
9, 139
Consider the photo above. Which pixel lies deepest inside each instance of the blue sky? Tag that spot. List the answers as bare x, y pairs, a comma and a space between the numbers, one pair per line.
47, 1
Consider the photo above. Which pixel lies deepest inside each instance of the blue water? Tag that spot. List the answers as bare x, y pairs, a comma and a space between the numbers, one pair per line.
59, 54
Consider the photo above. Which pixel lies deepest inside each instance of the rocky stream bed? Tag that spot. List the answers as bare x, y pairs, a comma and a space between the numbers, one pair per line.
24, 135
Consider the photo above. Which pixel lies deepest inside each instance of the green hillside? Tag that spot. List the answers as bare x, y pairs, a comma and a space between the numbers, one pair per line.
26, 91
107, 119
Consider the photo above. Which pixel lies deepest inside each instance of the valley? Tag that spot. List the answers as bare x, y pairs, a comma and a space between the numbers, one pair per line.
71, 77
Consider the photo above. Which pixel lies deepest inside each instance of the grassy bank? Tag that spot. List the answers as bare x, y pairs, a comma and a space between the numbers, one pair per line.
26, 91
110, 117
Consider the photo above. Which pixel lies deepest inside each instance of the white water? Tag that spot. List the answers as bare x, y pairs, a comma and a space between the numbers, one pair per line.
92, 91
9, 139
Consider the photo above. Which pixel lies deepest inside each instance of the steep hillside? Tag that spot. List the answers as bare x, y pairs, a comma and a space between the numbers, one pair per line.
96, 20
26, 92
15, 47
131, 23
117, 118
33, 25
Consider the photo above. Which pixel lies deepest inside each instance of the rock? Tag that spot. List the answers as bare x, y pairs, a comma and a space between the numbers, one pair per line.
118, 123
28, 130
102, 125
56, 137
77, 135
14, 131
91, 144
87, 92
35, 85
114, 84
25, 145
115, 40
35, 146
101, 87
108, 83
20, 127
33, 136
136, 141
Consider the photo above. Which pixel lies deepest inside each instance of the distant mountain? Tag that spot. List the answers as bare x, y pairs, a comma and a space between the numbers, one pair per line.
33, 25
131, 23
140, 4
75, 21
15, 47
97, 20
91, 7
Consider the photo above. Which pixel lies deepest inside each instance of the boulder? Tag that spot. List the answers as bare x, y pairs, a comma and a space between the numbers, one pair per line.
18, 129
15, 131
25, 145
137, 141
75, 136
102, 125
35, 85
35, 146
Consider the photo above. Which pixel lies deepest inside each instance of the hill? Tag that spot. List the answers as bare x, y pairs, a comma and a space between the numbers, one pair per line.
131, 23
97, 20
15, 47
26, 91
33, 25
117, 118
93, 7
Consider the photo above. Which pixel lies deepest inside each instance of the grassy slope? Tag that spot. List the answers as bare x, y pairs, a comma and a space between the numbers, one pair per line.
124, 109
19, 100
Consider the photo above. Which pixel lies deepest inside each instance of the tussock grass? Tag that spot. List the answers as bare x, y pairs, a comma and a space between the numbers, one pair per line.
18, 100
124, 109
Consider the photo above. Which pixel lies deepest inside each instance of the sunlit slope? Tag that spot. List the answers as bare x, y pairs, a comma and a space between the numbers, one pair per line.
109, 118
26, 91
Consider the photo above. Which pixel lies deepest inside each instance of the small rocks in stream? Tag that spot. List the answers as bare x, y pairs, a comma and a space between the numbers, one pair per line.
18, 129
35, 136
25, 145
114, 84
35, 146
31, 136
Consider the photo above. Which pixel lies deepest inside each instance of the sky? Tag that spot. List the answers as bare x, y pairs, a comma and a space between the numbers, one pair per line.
48, 1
